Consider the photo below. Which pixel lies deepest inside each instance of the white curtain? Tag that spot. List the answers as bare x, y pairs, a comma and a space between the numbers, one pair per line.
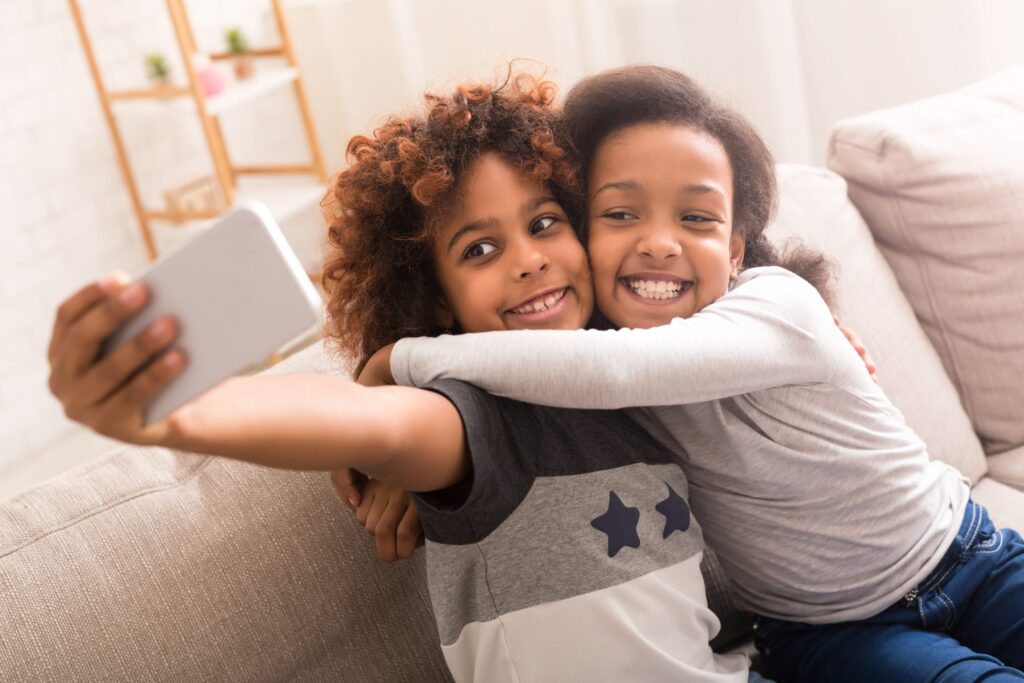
794, 67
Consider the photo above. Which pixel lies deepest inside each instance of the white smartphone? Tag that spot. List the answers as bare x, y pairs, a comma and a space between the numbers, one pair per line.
238, 294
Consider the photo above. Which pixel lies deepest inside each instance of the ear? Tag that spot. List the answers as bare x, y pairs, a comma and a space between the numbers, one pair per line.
737, 249
445, 316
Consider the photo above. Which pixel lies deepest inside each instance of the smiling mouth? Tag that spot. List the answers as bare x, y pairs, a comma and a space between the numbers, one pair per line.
542, 303
657, 289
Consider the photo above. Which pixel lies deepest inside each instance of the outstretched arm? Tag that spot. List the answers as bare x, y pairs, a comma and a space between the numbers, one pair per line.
410, 438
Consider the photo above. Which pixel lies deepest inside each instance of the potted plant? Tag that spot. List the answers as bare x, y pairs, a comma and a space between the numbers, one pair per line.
238, 45
157, 70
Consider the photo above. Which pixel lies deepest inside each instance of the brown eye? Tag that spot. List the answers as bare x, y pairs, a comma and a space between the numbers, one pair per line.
542, 224
479, 249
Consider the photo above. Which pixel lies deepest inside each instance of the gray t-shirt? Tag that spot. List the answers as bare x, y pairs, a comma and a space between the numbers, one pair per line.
569, 553
821, 503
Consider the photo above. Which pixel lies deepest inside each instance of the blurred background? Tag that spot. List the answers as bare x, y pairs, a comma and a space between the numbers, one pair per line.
69, 203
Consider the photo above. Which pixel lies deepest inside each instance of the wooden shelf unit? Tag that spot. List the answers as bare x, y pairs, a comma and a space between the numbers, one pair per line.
208, 110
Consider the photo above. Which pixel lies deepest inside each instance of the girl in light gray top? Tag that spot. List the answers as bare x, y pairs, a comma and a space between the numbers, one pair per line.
821, 503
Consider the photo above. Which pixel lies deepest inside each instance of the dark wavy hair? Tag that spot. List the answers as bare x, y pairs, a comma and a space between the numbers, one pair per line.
611, 101
379, 274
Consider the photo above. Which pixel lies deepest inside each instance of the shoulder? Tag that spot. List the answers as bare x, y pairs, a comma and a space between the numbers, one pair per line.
783, 292
776, 279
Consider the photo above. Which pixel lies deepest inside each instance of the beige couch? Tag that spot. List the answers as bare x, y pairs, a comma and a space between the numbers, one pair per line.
148, 564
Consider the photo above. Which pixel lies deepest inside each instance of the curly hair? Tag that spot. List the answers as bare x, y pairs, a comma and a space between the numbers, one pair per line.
600, 105
379, 274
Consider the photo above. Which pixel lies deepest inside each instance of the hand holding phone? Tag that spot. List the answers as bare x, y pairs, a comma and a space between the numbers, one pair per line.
109, 395
233, 295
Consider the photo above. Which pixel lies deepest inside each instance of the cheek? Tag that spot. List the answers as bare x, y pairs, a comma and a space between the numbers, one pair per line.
473, 302
482, 297
604, 262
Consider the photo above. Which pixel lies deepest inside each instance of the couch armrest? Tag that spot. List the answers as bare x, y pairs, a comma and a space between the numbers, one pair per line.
151, 564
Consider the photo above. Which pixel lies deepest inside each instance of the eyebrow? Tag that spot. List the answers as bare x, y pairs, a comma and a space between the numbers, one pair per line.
491, 222
634, 186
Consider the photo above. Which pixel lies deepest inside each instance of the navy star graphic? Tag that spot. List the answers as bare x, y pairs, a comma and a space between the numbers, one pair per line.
676, 511
620, 525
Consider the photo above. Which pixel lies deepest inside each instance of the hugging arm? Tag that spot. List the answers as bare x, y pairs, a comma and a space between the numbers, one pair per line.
767, 332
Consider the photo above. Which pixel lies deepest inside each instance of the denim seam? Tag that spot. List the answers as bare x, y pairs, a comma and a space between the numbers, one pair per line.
951, 617
973, 526
992, 546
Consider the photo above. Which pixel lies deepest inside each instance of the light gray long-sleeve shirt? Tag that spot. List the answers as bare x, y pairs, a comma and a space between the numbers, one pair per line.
821, 503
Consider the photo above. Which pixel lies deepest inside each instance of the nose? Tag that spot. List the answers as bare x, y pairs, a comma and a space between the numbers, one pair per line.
660, 241
529, 261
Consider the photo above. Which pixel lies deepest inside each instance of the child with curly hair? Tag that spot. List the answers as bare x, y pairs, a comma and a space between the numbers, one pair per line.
560, 542
865, 560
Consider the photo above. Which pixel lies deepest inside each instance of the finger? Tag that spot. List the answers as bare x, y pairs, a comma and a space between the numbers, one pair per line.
408, 533
78, 303
84, 336
384, 534
138, 393
349, 484
365, 505
380, 504
106, 376
385, 531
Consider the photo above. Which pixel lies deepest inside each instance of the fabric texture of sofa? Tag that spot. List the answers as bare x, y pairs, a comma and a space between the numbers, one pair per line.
150, 564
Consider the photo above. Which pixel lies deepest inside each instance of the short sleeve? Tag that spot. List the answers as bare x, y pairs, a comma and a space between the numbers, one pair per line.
499, 479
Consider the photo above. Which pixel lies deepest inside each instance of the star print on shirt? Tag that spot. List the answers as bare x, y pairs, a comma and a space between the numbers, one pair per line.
620, 524
676, 511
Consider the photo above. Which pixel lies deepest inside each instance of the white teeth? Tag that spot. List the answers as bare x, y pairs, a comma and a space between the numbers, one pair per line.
657, 289
542, 305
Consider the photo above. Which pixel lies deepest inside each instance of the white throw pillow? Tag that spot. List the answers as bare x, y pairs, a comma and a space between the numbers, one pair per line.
940, 182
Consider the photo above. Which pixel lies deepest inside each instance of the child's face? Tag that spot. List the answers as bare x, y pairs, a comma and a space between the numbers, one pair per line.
660, 224
507, 257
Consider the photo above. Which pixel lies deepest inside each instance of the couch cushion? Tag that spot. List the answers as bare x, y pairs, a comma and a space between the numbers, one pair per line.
1008, 468
1005, 504
814, 208
941, 184
150, 564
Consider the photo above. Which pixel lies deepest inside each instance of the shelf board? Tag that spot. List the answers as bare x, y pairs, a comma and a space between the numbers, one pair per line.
234, 94
240, 92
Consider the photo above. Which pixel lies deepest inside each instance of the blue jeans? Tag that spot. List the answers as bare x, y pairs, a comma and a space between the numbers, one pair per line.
965, 624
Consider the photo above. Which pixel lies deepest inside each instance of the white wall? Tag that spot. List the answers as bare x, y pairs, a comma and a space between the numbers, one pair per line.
794, 66
65, 216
